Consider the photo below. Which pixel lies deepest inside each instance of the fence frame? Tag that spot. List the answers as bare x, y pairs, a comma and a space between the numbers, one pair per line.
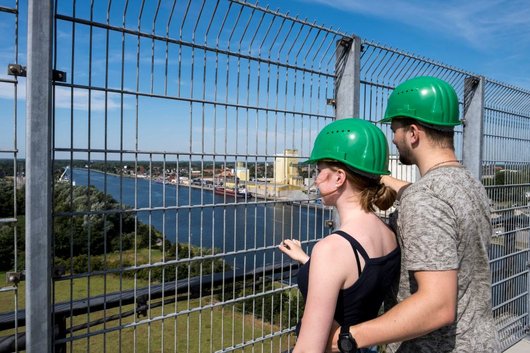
40, 313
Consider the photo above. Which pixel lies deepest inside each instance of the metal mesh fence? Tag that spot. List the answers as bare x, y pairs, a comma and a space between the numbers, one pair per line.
178, 127
505, 169
192, 116
382, 69
11, 171
506, 164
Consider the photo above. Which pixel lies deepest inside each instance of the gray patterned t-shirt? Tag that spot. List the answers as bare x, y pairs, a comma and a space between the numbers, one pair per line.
444, 224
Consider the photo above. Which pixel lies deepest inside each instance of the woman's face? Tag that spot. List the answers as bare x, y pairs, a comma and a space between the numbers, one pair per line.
325, 182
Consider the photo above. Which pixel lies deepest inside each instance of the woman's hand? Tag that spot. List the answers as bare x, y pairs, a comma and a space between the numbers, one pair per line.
293, 249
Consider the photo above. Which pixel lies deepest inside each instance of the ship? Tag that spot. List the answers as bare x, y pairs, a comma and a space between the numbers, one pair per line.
240, 193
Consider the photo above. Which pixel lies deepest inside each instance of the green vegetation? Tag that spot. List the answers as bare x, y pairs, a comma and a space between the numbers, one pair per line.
153, 168
93, 232
190, 325
514, 182
88, 226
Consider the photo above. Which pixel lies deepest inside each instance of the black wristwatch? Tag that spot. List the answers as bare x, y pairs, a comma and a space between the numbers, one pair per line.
346, 342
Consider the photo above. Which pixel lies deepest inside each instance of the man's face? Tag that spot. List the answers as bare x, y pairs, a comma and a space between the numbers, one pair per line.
401, 143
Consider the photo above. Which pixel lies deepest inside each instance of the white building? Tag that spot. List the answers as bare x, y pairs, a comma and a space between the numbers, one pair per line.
241, 172
286, 168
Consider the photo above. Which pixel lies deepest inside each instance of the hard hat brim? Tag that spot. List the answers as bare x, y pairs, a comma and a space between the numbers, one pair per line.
385, 121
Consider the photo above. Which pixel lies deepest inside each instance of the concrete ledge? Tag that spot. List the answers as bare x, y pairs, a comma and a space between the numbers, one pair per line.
522, 346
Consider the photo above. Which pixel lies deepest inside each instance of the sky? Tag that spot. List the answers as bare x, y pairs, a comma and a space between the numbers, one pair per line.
486, 37
489, 38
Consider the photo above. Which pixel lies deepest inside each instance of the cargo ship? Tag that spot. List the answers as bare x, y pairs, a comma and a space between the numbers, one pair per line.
240, 193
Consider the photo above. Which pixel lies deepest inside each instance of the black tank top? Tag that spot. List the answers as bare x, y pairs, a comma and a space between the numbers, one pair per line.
361, 301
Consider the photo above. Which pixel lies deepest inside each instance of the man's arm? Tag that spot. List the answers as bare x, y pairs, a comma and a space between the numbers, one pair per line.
431, 307
397, 185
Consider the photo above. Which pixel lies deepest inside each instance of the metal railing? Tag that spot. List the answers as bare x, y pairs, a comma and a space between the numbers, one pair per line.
176, 130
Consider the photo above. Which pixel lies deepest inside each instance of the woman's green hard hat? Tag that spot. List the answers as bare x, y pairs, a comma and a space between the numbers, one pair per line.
426, 99
357, 143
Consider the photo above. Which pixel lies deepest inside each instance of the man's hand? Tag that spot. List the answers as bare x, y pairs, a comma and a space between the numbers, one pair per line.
395, 184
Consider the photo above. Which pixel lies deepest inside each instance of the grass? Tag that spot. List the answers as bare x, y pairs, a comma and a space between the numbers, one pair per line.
190, 325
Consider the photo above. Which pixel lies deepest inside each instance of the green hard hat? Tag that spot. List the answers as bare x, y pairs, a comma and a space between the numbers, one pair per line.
426, 99
357, 143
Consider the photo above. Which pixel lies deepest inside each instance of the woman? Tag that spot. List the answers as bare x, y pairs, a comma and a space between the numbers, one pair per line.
353, 269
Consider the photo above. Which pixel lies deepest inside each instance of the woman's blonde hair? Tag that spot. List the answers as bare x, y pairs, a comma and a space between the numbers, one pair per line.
373, 192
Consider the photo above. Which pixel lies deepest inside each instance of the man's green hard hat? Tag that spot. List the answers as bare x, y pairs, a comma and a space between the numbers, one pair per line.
426, 99
357, 143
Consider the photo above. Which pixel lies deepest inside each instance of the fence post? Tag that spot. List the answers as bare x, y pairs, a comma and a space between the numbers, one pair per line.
347, 85
39, 329
473, 125
347, 77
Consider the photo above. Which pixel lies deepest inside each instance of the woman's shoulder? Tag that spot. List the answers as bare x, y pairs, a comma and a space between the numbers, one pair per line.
329, 245
331, 250
374, 235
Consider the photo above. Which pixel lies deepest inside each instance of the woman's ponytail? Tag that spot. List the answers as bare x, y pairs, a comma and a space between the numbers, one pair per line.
384, 197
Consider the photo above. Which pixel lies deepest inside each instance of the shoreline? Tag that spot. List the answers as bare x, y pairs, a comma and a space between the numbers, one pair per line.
253, 196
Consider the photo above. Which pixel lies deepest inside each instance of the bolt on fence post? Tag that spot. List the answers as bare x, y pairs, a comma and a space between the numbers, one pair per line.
473, 125
39, 330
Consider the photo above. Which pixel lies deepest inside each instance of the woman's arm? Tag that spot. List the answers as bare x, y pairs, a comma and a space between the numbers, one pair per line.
326, 277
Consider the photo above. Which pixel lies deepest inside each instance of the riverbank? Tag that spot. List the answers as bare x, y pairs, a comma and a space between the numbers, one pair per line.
249, 197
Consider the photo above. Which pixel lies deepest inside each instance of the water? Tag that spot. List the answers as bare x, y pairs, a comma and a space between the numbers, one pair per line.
244, 232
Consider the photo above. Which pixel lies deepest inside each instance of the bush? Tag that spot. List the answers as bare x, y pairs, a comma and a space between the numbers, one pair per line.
9, 234
286, 305
80, 264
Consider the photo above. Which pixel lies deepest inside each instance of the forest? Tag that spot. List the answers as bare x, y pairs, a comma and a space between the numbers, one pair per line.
88, 228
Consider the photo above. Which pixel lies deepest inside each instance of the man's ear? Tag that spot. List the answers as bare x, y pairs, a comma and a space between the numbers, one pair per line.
414, 133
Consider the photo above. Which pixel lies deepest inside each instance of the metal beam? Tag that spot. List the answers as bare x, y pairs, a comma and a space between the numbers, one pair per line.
39, 328
347, 80
347, 86
473, 124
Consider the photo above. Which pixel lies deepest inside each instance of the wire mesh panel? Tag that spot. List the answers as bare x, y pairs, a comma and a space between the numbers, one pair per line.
178, 132
505, 169
506, 175
382, 69
11, 177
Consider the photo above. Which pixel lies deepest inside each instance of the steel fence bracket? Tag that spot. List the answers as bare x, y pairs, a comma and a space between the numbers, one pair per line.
16, 70
15, 277
59, 76
19, 70
346, 42
141, 306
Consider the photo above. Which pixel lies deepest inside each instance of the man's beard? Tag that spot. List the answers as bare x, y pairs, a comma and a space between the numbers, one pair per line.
405, 160
405, 156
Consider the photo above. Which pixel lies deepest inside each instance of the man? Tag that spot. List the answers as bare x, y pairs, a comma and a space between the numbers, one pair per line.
444, 297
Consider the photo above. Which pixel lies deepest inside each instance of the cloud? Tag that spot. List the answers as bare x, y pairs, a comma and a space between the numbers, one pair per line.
80, 100
482, 24
7, 90
63, 98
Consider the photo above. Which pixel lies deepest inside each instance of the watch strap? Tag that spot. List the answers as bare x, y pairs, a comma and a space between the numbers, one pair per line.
346, 343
